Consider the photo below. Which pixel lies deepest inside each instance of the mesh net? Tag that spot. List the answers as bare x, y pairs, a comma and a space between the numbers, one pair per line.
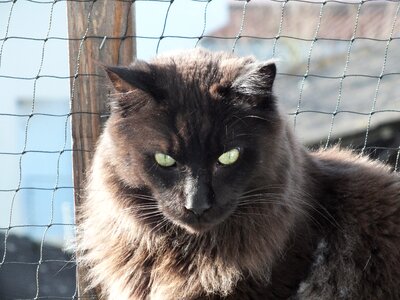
36, 208
337, 83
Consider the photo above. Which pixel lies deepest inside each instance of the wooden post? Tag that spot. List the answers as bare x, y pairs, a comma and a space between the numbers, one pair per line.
96, 31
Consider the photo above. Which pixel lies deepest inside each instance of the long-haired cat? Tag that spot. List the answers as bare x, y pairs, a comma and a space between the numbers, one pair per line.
199, 190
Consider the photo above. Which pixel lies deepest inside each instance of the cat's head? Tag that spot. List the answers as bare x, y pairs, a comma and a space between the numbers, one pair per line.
193, 133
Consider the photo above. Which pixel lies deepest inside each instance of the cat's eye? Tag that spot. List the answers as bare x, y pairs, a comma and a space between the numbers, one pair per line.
164, 160
229, 157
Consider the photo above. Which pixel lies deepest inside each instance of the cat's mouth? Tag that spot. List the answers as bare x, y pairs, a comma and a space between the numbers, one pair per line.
196, 227
196, 224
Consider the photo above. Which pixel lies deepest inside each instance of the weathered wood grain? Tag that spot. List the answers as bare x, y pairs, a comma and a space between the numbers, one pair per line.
101, 33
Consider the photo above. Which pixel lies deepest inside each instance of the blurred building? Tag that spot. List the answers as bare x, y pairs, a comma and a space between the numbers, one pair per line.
35, 271
36, 193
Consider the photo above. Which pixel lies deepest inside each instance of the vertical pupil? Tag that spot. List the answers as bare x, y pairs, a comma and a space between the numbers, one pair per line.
228, 157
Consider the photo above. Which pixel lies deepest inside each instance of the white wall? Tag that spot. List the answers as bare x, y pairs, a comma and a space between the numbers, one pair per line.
20, 62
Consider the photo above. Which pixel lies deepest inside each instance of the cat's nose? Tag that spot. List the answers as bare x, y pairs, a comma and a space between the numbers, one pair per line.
199, 195
197, 208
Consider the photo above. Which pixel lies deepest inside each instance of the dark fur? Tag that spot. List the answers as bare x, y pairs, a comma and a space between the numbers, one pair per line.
283, 223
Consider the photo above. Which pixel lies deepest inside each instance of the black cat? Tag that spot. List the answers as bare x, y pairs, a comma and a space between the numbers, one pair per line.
199, 190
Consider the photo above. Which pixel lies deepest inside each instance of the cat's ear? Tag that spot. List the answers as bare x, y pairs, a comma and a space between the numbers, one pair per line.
137, 76
116, 75
256, 79
135, 85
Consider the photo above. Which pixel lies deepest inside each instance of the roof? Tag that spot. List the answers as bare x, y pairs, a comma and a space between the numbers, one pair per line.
302, 18
358, 94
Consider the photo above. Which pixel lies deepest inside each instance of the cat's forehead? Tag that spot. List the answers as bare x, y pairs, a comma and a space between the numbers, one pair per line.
192, 99
196, 123
201, 67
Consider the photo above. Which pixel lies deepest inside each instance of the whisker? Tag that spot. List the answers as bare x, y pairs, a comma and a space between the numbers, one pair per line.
160, 225
255, 117
150, 214
260, 195
264, 188
295, 208
277, 199
145, 207
301, 198
144, 197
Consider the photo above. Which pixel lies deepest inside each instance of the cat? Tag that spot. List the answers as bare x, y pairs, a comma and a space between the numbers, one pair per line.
199, 190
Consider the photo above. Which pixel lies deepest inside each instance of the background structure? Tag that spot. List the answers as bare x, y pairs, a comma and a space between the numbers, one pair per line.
339, 73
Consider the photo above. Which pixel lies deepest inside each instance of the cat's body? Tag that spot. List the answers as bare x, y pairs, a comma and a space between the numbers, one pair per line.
273, 222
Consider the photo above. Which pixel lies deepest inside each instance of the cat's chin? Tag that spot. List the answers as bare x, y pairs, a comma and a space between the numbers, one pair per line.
195, 228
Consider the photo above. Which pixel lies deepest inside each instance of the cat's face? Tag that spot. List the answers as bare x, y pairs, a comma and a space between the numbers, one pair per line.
192, 130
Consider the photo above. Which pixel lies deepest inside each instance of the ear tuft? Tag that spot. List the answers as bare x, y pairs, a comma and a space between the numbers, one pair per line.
118, 76
256, 79
138, 76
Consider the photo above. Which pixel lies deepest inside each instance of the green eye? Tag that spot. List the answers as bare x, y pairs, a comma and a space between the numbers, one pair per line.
164, 160
229, 157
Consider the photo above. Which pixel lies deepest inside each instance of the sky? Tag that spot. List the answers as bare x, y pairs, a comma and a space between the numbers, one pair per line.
183, 18
22, 58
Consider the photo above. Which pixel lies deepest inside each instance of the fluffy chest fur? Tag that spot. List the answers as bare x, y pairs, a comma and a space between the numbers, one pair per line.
198, 190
